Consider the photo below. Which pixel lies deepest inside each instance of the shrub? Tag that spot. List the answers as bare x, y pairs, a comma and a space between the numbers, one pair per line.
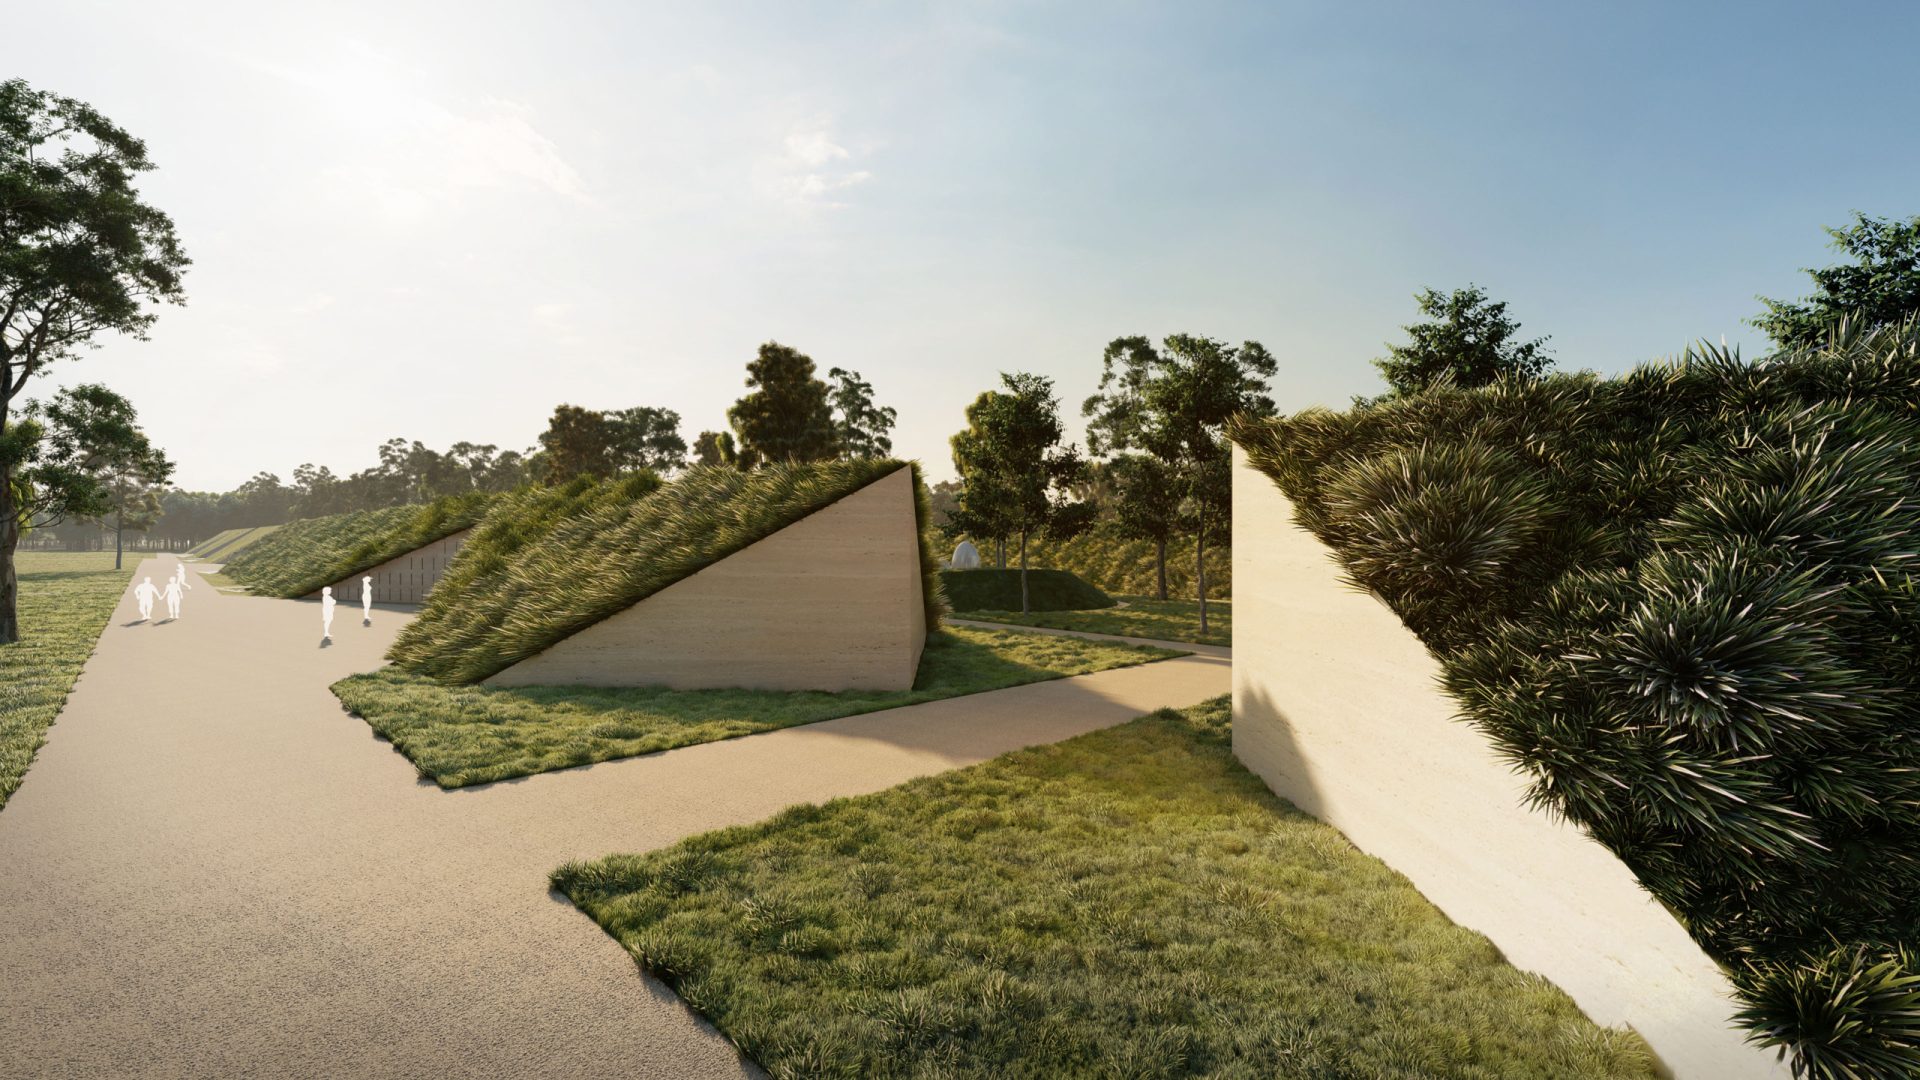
1684, 601
988, 589
585, 552
1117, 564
299, 558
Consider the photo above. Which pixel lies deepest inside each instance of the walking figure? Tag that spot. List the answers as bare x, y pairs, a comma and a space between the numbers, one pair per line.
327, 603
145, 593
172, 593
366, 600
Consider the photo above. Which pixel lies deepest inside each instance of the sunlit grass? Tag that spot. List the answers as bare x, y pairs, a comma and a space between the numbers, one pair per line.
66, 599
460, 735
1131, 903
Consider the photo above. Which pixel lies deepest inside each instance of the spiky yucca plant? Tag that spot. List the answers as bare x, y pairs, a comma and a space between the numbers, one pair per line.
1710, 659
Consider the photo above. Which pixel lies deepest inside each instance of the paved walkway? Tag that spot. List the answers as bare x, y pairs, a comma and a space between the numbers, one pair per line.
212, 870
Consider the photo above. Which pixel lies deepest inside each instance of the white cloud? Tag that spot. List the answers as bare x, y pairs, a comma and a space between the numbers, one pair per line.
804, 173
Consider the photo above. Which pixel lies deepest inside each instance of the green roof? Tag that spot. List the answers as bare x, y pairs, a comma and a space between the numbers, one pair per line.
547, 564
298, 558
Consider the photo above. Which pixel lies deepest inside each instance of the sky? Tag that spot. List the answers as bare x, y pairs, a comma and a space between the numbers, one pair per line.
437, 221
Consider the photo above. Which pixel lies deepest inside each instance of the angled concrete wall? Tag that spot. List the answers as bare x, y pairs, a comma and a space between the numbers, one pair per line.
1339, 708
831, 602
404, 579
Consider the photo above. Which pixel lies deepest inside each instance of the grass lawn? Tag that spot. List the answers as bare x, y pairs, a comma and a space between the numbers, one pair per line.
1130, 903
460, 735
66, 599
1166, 620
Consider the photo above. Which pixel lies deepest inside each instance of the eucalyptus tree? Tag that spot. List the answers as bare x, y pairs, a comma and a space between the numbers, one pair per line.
81, 255
1018, 477
860, 425
1173, 402
87, 460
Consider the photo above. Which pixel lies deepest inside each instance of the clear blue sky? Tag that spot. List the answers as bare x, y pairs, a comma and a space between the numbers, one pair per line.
439, 222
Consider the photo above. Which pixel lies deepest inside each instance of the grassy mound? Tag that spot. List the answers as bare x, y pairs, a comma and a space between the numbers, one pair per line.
1143, 617
460, 735
988, 589
593, 554
232, 542
1130, 903
1685, 601
297, 559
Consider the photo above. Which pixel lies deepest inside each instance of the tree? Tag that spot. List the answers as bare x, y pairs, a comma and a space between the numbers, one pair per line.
80, 255
122, 460
1147, 503
1017, 474
861, 426
1174, 404
645, 438
786, 418
577, 442
1468, 341
1881, 286
81, 456
715, 448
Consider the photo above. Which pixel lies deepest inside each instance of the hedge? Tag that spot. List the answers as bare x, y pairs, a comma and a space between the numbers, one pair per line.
1125, 567
1684, 601
988, 589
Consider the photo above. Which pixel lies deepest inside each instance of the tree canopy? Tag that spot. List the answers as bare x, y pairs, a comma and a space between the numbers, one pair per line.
1018, 476
1467, 340
1881, 286
80, 255
787, 416
860, 425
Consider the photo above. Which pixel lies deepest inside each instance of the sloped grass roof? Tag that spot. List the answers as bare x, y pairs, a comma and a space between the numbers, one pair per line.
300, 557
593, 553
1686, 602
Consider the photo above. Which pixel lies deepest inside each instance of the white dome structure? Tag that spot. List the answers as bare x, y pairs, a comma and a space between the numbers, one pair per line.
966, 556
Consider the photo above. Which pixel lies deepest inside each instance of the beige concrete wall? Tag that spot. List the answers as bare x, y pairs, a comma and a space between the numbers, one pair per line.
1338, 707
405, 579
831, 602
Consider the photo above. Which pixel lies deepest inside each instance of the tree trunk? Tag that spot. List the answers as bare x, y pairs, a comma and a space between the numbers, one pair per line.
9, 581
119, 532
1000, 546
1025, 608
1200, 572
1160, 565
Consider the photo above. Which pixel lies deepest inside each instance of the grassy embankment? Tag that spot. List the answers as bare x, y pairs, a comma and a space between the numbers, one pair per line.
1130, 903
66, 599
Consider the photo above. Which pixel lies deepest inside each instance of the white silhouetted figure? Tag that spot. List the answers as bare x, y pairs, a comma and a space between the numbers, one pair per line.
145, 593
172, 593
180, 571
327, 603
366, 600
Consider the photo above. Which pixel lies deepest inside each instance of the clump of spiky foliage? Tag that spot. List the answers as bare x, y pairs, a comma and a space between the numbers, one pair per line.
592, 552
299, 558
1685, 601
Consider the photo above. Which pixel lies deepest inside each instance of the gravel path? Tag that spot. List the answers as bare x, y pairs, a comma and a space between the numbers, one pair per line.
212, 870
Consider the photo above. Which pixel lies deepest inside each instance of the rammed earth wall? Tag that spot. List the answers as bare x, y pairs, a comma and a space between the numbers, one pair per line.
1338, 707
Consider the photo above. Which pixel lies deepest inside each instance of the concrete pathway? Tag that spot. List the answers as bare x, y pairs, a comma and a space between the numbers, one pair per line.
213, 870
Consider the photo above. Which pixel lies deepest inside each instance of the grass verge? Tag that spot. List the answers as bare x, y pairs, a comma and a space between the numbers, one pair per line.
66, 599
1130, 903
461, 735
1165, 620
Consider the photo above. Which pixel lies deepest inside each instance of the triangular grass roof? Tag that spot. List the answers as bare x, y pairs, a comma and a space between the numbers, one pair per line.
300, 557
589, 554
